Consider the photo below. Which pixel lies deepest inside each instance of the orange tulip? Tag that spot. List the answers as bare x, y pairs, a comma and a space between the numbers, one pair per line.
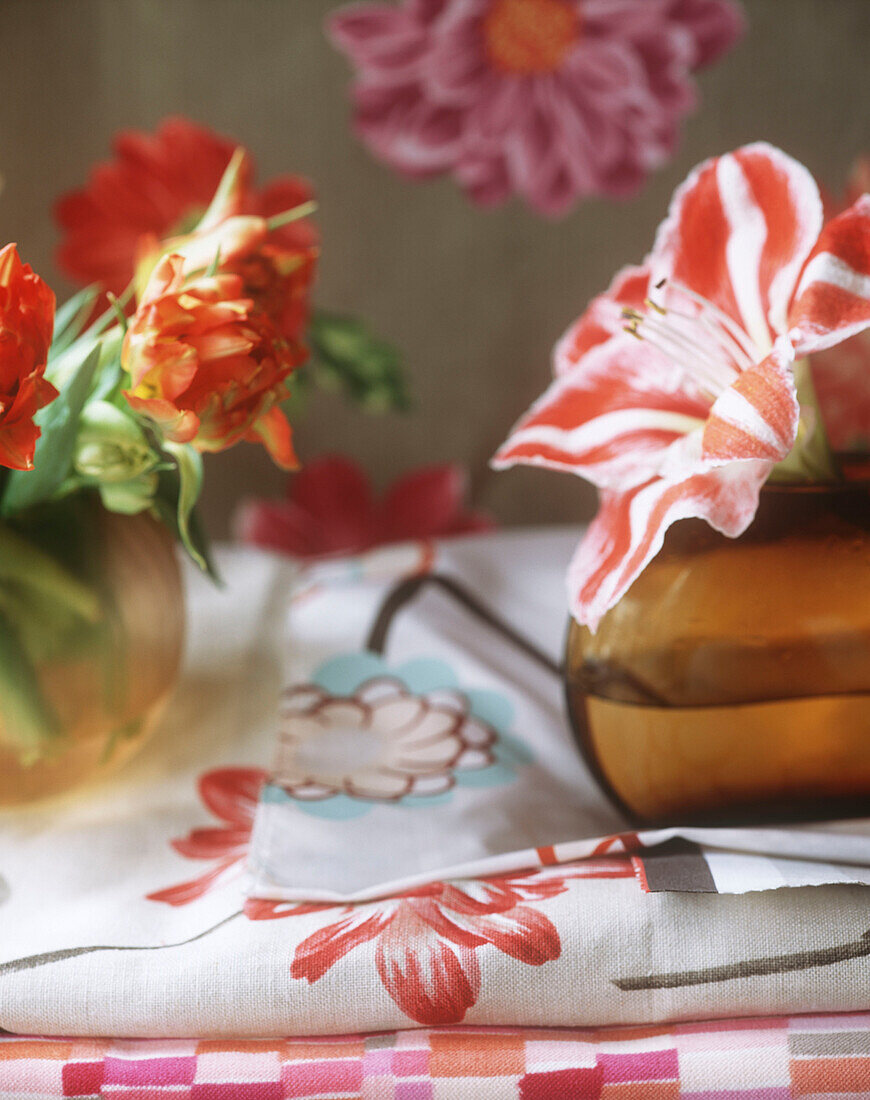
206, 365
276, 269
26, 326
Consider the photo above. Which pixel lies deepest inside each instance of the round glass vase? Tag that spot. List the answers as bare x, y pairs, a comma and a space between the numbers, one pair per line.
96, 649
732, 682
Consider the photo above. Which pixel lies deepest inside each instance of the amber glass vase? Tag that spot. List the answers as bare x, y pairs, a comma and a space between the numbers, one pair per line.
91, 643
732, 682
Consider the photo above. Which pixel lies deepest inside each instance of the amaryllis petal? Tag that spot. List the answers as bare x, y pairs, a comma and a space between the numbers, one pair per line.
833, 297
756, 417
611, 420
841, 375
738, 233
630, 528
602, 318
431, 980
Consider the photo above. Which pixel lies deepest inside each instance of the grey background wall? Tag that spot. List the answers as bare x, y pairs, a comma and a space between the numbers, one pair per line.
475, 299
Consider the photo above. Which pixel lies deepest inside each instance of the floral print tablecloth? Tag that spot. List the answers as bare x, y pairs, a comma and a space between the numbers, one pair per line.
130, 912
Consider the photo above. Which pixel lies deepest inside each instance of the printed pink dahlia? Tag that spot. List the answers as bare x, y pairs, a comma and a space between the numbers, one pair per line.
675, 392
554, 100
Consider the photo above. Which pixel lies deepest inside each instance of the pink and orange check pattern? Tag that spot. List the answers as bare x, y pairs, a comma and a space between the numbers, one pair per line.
794, 1058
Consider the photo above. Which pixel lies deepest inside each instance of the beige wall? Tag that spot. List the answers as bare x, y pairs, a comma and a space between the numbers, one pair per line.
474, 298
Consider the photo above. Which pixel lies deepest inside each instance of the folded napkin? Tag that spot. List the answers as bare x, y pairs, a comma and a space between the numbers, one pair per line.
422, 735
762, 1059
126, 910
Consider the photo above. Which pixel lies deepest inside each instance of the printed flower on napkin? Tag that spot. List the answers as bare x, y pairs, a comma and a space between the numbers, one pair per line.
362, 734
381, 743
426, 940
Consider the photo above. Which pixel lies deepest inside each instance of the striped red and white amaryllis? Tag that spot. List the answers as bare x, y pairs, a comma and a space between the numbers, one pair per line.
675, 392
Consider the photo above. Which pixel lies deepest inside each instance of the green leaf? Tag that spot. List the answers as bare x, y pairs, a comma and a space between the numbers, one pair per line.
165, 508
73, 374
350, 360
108, 383
71, 318
28, 722
189, 465
199, 541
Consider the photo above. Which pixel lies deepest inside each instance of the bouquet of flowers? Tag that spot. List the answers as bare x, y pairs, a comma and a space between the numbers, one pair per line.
108, 404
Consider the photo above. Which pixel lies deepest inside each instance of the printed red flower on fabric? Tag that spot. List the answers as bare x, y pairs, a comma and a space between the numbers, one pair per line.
426, 939
675, 391
231, 795
159, 185
331, 508
553, 100
26, 326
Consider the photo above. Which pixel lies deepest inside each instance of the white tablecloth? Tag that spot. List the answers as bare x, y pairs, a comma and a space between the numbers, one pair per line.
84, 949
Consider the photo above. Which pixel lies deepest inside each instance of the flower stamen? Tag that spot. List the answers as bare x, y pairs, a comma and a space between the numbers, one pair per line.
709, 309
705, 343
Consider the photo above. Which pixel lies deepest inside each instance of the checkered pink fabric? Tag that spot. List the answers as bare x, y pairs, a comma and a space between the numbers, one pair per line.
786, 1058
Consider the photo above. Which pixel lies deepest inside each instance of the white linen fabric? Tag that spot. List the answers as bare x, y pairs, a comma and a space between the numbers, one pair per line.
423, 735
106, 929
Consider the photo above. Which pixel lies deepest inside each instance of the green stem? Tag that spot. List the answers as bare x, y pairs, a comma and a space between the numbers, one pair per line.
28, 722
811, 458
26, 564
301, 211
104, 320
228, 183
